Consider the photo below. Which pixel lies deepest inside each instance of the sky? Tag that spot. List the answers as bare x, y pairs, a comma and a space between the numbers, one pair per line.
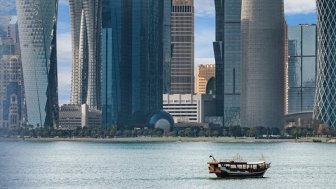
297, 12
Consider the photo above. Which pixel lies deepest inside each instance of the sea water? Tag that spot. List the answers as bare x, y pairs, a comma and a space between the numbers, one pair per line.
161, 165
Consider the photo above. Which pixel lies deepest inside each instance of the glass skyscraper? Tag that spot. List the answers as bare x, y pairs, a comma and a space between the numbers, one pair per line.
301, 68
37, 31
263, 60
132, 60
227, 55
325, 103
86, 38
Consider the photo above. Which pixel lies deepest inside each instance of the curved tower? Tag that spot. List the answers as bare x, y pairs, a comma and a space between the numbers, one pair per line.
325, 107
85, 33
37, 21
262, 66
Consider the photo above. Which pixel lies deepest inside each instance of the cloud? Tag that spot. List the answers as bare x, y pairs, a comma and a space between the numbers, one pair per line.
204, 7
63, 2
64, 57
300, 6
7, 7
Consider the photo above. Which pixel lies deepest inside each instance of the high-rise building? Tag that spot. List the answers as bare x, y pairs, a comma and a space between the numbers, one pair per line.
86, 46
132, 60
262, 98
204, 72
12, 106
12, 96
182, 41
325, 102
37, 21
227, 55
167, 46
301, 68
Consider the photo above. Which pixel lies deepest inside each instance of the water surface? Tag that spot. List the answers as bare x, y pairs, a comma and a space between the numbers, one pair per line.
160, 165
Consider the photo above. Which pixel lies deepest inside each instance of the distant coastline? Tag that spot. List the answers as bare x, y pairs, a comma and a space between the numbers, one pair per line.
172, 139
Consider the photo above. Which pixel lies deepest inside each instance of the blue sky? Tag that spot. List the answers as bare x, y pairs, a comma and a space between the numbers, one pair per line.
297, 12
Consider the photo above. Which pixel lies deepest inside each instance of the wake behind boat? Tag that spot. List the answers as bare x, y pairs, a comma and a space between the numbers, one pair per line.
238, 168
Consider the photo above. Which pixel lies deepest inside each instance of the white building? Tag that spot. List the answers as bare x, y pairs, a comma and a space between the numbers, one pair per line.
72, 116
189, 108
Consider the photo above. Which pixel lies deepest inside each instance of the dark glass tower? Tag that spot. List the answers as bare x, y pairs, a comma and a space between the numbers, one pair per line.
227, 56
132, 59
325, 102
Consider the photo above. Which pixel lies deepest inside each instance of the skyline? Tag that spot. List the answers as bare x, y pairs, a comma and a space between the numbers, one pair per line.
297, 12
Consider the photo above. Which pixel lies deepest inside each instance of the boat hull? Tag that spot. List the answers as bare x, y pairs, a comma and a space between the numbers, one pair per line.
224, 174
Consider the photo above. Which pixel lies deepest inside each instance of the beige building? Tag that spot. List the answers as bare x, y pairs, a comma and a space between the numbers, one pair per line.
72, 116
203, 73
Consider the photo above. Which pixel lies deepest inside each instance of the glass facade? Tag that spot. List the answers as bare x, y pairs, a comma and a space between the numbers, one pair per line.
325, 103
227, 55
85, 33
302, 52
167, 46
132, 60
37, 21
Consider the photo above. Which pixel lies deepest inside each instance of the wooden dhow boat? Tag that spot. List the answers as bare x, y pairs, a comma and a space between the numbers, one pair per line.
237, 168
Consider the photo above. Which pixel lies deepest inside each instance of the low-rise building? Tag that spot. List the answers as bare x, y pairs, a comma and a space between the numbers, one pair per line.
189, 108
72, 116
203, 74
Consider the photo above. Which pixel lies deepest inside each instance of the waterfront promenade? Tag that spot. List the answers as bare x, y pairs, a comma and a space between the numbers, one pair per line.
173, 139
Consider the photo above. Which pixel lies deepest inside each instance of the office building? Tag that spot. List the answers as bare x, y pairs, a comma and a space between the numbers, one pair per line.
182, 41
325, 102
12, 106
227, 55
189, 108
262, 97
37, 21
73, 116
302, 53
11, 93
167, 46
86, 36
204, 73
132, 61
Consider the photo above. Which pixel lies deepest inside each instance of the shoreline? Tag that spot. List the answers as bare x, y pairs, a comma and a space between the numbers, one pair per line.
170, 139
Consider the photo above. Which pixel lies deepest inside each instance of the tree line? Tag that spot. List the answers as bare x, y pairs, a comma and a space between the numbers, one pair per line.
234, 131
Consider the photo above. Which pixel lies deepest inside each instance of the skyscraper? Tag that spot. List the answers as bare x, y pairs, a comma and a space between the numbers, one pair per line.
132, 59
37, 32
167, 46
86, 37
182, 40
262, 98
12, 96
301, 68
12, 106
325, 102
227, 55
